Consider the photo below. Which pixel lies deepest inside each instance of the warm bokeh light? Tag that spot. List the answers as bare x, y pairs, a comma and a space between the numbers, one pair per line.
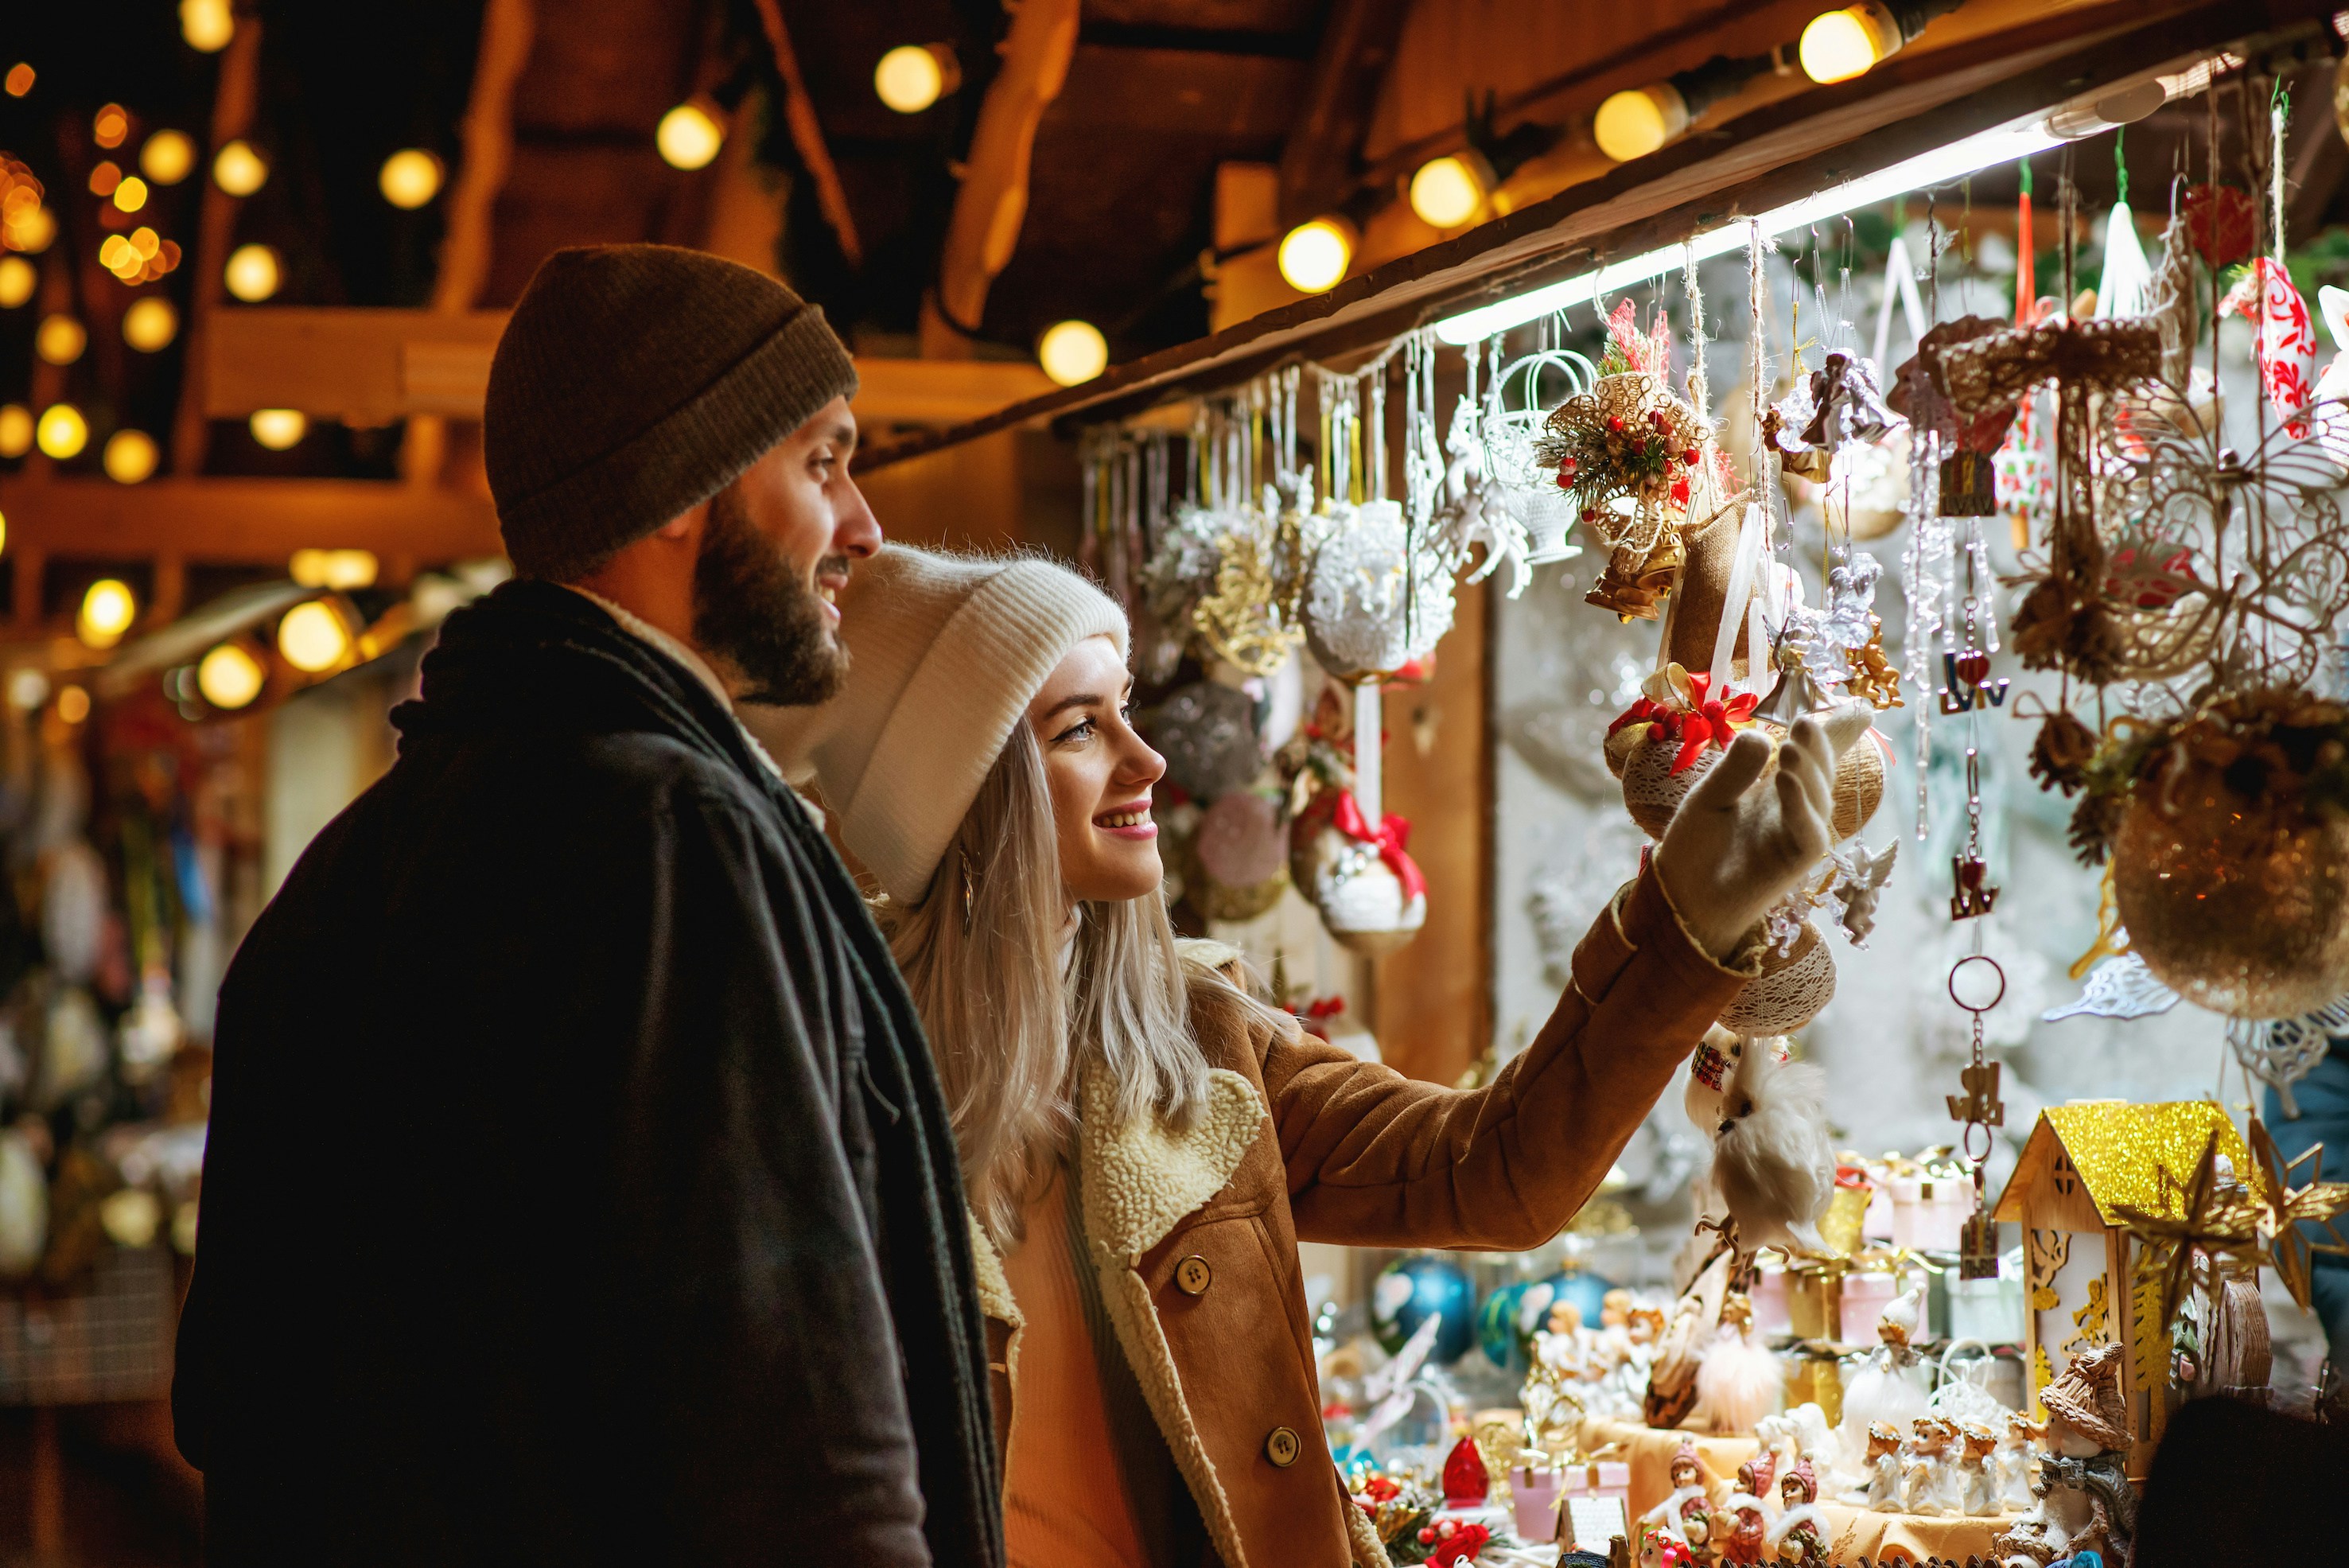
20, 79
1314, 255
252, 273
150, 324
60, 339
110, 126
28, 687
342, 570
1073, 351
104, 176
131, 194
130, 457
32, 229
410, 178
107, 611
689, 138
278, 429
1840, 45
1446, 192
73, 704
1637, 121
239, 169
16, 280
207, 24
910, 78
168, 157
313, 637
229, 677
15, 430
62, 432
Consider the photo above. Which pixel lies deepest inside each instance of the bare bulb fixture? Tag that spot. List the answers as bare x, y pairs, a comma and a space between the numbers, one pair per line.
252, 274
1073, 351
108, 610
313, 637
239, 169
912, 77
1451, 190
168, 157
230, 677
688, 137
1838, 46
60, 340
207, 24
62, 431
150, 324
130, 457
410, 177
278, 429
1314, 255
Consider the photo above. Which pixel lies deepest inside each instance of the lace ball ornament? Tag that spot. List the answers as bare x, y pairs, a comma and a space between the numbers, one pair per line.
1360, 897
2238, 906
1365, 613
1207, 733
1241, 850
1792, 988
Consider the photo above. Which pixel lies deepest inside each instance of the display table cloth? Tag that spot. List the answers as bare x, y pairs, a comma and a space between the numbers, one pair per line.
1856, 1533
1650, 1451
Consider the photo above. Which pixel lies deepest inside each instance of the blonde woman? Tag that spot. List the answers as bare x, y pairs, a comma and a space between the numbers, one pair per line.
1142, 1143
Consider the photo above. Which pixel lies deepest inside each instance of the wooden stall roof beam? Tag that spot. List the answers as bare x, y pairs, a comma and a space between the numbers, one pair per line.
234, 93
807, 134
369, 366
1319, 163
244, 522
1779, 154
507, 30
984, 227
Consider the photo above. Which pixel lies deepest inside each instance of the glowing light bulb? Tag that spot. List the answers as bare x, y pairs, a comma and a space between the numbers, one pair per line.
278, 429
20, 79
1448, 191
32, 230
131, 194
16, 280
910, 78
207, 24
1634, 123
167, 157
106, 611
410, 178
1073, 351
15, 430
313, 637
1840, 45
129, 457
150, 324
229, 677
110, 126
73, 704
62, 431
60, 339
1313, 256
252, 273
238, 170
341, 570
688, 137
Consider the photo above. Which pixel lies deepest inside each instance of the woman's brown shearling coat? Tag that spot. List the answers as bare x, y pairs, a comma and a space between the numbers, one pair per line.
1302, 1140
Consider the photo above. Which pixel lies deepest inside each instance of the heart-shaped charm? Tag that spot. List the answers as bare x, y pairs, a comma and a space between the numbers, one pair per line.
1973, 666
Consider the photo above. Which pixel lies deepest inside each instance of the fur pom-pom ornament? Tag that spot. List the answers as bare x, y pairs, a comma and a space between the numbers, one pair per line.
1772, 1159
1738, 1382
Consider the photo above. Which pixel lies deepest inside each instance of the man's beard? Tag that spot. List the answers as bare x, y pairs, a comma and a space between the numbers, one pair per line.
751, 609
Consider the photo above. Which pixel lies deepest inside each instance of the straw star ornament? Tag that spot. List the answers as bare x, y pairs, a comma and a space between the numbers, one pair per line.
2284, 1208
2186, 1216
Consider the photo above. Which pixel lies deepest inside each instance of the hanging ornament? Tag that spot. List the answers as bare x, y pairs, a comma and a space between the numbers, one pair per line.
1510, 425
1241, 850
1207, 733
2286, 343
1979, 1108
2284, 1208
1372, 603
2125, 286
2222, 222
2121, 987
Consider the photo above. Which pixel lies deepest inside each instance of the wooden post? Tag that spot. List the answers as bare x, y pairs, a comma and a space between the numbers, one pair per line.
807, 134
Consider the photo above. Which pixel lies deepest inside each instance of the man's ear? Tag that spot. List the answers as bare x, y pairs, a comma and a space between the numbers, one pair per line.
685, 524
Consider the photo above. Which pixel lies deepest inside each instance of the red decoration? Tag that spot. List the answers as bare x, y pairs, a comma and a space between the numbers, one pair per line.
1392, 837
1452, 1543
1973, 666
1465, 1481
2218, 220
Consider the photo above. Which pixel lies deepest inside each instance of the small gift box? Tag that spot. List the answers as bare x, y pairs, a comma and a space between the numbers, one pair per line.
1772, 1301
1929, 1210
1815, 1298
1865, 1295
1534, 1486
1594, 1504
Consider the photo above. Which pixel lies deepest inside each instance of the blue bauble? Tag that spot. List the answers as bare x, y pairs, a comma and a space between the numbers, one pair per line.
1413, 1289
1496, 1327
1585, 1290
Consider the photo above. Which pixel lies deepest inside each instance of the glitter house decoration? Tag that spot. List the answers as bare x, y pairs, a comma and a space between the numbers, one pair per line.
2085, 1170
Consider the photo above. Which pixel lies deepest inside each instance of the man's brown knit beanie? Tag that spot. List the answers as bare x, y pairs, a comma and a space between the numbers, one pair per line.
635, 381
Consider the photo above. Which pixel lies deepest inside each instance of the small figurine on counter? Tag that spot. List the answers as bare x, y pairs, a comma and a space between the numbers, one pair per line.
1924, 1467
1696, 1530
1891, 1386
1801, 1433
1800, 1536
1977, 1490
2085, 1502
1687, 1472
1884, 1467
1738, 1382
1748, 1516
2018, 1458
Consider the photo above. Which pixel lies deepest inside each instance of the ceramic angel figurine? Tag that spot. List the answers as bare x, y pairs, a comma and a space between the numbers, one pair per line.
1749, 1527
1800, 1535
1687, 1474
2018, 1459
1977, 1488
1924, 1467
1884, 1467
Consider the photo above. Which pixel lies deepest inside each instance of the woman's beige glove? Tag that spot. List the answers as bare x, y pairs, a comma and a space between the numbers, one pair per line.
1734, 850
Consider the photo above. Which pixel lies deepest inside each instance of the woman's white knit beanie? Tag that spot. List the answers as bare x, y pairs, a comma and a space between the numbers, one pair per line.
944, 652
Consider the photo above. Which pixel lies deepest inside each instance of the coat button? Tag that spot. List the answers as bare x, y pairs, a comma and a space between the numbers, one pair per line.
1193, 1276
1281, 1447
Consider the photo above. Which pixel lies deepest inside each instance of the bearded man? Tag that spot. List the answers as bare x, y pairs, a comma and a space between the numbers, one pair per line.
579, 1187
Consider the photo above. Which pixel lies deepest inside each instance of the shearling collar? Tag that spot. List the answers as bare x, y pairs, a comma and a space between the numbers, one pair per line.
1141, 1179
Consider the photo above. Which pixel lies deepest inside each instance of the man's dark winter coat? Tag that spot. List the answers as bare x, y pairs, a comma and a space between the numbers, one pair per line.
579, 1187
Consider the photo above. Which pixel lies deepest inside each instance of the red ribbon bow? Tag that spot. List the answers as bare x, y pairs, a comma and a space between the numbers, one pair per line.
1702, 723
1390, 836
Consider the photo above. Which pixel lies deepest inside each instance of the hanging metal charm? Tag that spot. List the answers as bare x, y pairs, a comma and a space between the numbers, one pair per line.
1980, 1109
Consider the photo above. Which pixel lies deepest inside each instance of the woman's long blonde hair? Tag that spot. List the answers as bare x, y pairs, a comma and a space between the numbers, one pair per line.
982, 955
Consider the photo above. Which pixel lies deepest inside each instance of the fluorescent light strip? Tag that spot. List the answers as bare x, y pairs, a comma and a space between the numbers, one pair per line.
1927, 169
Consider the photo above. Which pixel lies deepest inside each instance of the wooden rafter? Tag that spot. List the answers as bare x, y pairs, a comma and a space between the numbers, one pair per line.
984, 228
807, 134
1317, 164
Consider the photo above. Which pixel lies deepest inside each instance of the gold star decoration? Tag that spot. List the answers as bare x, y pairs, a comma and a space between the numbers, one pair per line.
2284, 1208
2188, 1216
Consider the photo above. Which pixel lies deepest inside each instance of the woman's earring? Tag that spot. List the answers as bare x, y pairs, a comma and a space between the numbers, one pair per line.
968, 882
